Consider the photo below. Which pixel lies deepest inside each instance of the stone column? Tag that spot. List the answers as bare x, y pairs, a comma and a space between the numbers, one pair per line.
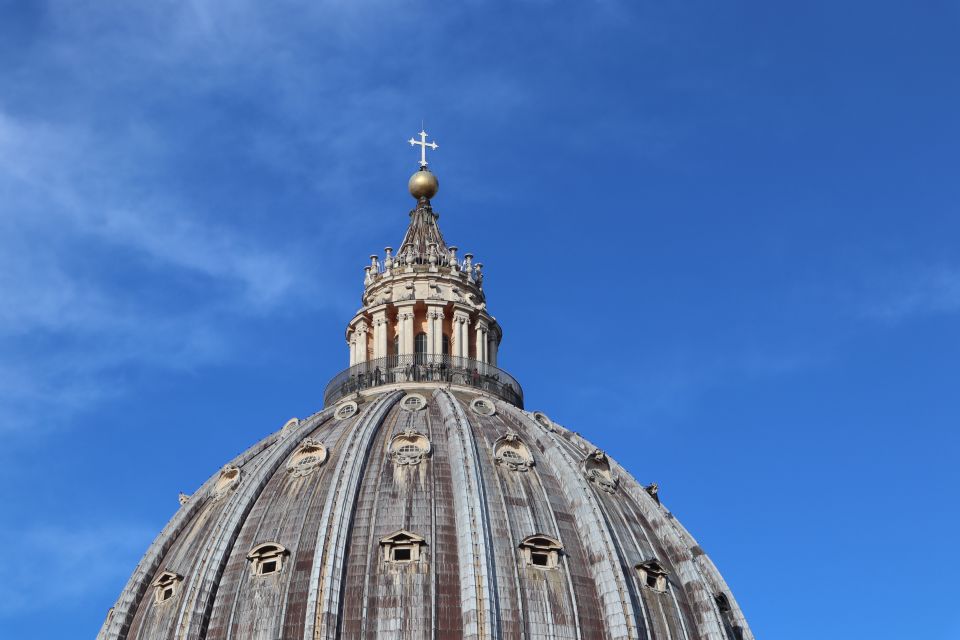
360, 348
380, 333
434, 329
492, 350
481, 334
405, 323
352, 341
461, 324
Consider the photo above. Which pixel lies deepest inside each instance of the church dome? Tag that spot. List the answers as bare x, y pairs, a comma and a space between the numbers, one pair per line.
423, 501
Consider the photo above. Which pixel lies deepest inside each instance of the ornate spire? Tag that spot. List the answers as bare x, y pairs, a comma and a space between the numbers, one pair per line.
423, 243
423, 301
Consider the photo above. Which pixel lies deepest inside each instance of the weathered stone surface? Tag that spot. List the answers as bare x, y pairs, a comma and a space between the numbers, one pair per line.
471, 580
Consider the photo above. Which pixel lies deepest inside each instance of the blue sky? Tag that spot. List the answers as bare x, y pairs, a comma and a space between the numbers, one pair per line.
722, 240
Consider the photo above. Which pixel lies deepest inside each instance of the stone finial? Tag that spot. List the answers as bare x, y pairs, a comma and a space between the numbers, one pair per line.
653, 489
388, 260
367, 279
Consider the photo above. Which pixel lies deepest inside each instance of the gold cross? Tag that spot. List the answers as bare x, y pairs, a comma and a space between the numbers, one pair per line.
423, 146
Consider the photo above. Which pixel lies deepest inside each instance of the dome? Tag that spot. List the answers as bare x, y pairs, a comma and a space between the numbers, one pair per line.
423, 501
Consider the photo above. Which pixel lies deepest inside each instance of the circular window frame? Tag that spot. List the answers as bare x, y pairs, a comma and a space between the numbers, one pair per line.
344, 405
544, 421
402, 455
289, 426
419, 396
310, 455
227, 481
476, 402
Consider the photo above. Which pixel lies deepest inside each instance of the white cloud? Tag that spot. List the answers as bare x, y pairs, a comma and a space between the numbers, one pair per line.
923, 292
73, 225
56, 564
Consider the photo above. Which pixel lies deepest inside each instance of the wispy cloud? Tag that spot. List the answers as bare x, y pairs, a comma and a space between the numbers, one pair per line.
921, 292
113, 253
79, 251
55, 565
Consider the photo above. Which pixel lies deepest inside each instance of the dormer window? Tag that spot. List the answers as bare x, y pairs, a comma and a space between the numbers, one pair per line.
722, 602
541, 551
409, 447
402, 547
267, 558
166, 586
510, 452
652, 575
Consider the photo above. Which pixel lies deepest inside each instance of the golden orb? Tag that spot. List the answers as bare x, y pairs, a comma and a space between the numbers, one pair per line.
423, 184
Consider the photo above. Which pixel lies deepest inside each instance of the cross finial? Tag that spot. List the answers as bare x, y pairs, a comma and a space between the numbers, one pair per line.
423, 146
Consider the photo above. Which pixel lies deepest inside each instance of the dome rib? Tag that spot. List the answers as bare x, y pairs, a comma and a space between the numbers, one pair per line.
659, 520
123, 613
326, 577
596, 538
478, 588
197, 608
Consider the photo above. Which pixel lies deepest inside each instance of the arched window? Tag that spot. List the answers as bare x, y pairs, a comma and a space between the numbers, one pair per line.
266, 558
420, 347
166, 586
446, 345
396, 345
652, 575
541, 552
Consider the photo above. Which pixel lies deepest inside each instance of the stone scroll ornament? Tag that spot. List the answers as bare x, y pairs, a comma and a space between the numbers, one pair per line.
227, 481
510, 452
311, 454
596, 467
409, 447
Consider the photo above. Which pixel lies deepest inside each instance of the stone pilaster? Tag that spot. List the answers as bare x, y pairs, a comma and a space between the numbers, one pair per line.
434, 329
481, 337
461, 329
405, 323
380, 332
360, 334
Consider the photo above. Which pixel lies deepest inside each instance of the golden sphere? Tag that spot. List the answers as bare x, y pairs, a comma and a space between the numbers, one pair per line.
423, 184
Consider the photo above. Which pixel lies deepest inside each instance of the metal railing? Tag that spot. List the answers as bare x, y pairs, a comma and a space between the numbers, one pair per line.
423, 367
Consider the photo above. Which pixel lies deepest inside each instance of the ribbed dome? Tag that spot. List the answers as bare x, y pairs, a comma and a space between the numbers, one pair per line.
424, 512
424, 502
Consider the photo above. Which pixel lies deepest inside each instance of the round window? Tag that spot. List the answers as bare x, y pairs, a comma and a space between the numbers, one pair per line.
543, 420
511, 455
413, 402
483, 406
345, 410
409, 450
